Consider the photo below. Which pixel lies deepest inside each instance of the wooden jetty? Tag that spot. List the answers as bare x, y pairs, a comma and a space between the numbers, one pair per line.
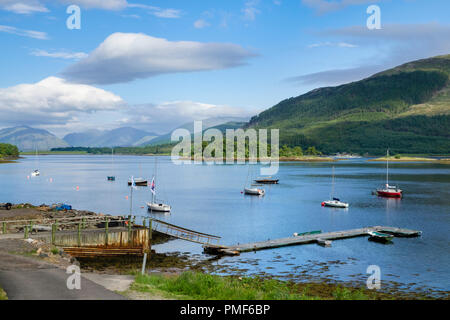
319, 238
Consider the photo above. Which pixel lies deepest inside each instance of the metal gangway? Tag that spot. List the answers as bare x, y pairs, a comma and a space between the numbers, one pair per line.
183, 233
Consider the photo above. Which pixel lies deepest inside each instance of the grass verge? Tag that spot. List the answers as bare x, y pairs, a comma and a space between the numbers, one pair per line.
3, 295
201, 286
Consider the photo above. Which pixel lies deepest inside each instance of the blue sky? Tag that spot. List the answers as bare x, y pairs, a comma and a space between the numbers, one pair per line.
157, 64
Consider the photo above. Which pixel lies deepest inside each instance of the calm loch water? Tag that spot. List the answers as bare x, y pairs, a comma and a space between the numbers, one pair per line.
208, 198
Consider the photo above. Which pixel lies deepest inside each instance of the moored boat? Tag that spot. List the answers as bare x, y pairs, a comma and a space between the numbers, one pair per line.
254, 191
380, 237
156, 205
389, 191
267, 180
112, 178
35, 173
335, 203
139, 182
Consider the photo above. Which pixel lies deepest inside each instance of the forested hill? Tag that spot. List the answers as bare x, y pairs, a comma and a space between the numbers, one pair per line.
8, 151
406, 108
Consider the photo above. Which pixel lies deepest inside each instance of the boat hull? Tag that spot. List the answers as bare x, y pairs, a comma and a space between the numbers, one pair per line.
254, 192
139, 183
380, 237
335, 204
389, 194
158, 207
267, 181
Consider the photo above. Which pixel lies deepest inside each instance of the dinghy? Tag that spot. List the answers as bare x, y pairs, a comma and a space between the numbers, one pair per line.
380, 237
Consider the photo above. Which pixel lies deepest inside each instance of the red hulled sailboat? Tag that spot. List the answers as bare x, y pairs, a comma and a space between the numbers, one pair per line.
389, 191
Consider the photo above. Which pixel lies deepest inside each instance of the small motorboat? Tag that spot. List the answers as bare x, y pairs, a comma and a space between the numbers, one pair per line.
139, 182
111, 178
254, 191
267, 180
380, 237
158, 207
35, 173
335, 203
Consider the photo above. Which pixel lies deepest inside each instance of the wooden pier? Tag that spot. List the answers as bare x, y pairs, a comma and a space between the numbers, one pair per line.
318, 238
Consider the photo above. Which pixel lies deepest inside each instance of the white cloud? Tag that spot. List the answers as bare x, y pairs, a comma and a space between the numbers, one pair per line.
98, 4
168, 115
23, 6
250, 11
59, 54
325, 6
332, 44
53, 100
24, 33
157, 11
201, 23
393, 45
124, 57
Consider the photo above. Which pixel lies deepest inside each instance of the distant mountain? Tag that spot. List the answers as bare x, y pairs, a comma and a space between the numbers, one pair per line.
406, 108
222, 123
30, 139
121, 137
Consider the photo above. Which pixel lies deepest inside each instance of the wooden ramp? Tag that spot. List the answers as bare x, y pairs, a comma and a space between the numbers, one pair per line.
305, 239
183, 233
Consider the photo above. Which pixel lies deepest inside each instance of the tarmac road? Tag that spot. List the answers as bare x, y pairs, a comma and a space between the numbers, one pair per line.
24, 278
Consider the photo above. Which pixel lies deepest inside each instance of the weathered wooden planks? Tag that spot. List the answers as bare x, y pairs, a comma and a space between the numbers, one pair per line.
305, 239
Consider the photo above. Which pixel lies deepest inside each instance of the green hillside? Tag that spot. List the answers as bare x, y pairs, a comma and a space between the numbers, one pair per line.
406, 108
8, 151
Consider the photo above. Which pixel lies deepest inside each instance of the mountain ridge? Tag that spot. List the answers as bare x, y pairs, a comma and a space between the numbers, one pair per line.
406, 108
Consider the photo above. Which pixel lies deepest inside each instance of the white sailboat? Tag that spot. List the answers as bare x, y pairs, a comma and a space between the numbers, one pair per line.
36, 172
334, 202
253, 190
156, 205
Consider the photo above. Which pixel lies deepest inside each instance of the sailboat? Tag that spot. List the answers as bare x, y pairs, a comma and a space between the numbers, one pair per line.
253, 190
334, 202
112, 178
36, 172
155, 205
389, 191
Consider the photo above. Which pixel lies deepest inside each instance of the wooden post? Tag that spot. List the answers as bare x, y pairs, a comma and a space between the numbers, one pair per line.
150, 233
79, 234
4, 228
106, 231
53, 233
129, 231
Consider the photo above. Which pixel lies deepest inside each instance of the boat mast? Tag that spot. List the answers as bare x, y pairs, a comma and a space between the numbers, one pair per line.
332, 186
387, 168
154, 179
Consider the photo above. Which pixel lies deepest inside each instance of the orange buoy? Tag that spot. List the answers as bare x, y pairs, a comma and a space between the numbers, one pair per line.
323, 204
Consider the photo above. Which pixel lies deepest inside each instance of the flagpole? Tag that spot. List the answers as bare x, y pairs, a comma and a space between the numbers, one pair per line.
131, 196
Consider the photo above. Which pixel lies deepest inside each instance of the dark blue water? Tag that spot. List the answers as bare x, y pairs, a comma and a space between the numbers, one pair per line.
208, 198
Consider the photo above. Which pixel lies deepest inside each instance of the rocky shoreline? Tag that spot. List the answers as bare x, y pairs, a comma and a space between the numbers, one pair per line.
309, 276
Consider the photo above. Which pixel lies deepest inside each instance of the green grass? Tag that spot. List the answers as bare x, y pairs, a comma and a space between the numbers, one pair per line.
200, 286
3, 295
